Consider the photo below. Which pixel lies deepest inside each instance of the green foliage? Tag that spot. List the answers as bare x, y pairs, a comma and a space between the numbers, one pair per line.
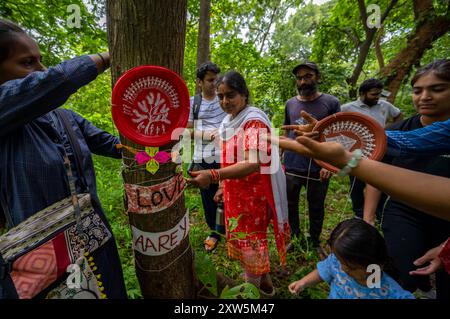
206, 273
46, 22
242, 291
262, 39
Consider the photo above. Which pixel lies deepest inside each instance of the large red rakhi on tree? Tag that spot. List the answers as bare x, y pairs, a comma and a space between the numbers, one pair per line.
149, 103
352, 130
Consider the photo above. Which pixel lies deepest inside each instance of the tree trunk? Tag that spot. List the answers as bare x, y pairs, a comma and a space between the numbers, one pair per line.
365, 47
363, 52
152, 32
399, 68
378, 51
203, 51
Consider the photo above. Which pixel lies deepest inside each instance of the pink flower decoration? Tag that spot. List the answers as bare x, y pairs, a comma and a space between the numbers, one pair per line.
142, 158
161, 157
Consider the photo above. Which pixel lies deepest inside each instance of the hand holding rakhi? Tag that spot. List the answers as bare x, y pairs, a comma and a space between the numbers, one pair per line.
325, 174
330, 152
201, 179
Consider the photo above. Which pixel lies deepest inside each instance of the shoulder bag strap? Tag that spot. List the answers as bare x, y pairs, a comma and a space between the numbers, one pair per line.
196, 105
74, 143
77, 154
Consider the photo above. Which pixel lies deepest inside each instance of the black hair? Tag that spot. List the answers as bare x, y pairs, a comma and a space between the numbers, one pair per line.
236, 82
369, 84
440, 68
8, 33
358, 243
205, 68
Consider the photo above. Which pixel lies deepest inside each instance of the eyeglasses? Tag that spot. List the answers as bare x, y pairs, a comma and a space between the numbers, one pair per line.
307, 76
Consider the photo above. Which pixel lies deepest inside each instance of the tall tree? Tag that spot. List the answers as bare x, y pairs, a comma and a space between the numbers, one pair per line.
203, 46
428, 28
152, 32
365, 45
55, 27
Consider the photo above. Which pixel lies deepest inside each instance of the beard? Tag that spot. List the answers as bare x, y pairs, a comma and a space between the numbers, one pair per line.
307, 89
370, 102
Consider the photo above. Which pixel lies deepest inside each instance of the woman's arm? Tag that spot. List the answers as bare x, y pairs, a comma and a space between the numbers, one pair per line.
425, 192
204, 178
371, 199
23, 100
256, 154
99, 142
432, 139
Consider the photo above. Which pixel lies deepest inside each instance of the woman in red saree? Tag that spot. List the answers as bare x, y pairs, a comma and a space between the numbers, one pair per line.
252, 183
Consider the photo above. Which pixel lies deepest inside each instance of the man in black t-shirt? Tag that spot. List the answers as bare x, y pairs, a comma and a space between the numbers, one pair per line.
300, 170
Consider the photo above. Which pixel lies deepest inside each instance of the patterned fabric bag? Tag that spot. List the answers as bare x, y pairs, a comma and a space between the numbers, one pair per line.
83, 284
37, 253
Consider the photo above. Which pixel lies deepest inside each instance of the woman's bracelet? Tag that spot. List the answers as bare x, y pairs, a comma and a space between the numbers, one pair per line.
352, 163
105, 65
215, 175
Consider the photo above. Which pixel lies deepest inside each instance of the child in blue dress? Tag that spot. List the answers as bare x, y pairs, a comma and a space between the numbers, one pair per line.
358, 251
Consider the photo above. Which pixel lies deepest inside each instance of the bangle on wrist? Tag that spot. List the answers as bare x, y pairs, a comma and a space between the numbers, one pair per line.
105, 65
215, 175
352, 163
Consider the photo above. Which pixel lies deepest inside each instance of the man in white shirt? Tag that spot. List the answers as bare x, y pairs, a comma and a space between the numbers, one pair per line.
205, 117
369, 103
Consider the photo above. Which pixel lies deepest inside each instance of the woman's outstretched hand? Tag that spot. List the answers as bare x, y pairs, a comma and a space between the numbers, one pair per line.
430, 262
201, 179
330, 152
305, 129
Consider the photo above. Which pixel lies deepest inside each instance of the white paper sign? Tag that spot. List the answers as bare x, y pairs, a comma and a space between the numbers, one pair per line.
157, 244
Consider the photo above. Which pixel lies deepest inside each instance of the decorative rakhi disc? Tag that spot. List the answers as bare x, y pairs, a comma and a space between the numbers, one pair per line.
352, 130
149, 103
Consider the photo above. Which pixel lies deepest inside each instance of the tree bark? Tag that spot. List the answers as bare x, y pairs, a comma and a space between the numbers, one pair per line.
430, 28
152, 32
378, 50
203, 43
365, 47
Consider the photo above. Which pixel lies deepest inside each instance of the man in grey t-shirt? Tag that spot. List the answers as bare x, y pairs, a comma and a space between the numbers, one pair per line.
206, 156
369, 103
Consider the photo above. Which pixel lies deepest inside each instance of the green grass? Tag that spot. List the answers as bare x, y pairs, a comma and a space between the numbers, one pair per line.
299, 263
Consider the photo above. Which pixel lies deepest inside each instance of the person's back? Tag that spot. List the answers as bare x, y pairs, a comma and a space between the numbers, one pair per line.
343, 286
